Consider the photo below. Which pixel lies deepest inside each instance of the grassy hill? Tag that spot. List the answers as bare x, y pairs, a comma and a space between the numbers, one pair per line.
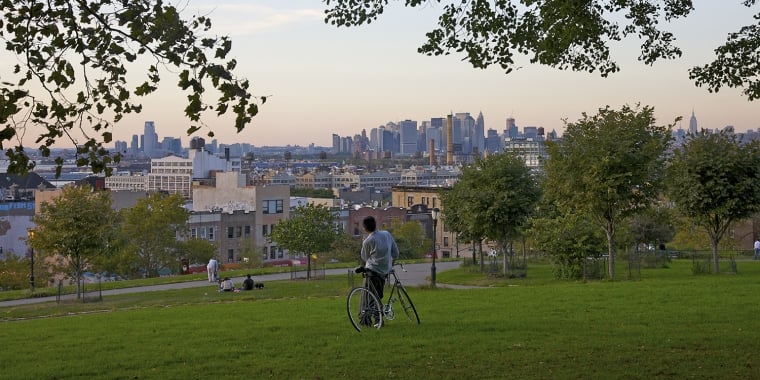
669, 325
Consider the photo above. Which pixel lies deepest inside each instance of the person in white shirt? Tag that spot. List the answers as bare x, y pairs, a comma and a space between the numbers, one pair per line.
757, 250
227, 285
213, 269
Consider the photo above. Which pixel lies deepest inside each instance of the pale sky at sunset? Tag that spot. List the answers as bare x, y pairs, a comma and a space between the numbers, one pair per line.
323, 80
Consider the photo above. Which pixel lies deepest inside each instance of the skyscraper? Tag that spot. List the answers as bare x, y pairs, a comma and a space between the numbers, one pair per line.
409, 134
479, 140
511, 130
150, 142
693, 124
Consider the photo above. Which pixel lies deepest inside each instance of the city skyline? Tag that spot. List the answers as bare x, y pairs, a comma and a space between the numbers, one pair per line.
321, 80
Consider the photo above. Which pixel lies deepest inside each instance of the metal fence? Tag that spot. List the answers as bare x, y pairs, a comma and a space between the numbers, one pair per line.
315, 273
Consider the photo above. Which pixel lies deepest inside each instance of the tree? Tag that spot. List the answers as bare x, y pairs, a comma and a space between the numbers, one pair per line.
14, 273
410, 239
74, 58
653, 225
310, 229
569, 239
74, 228
563, 34
714, 179
493, 199
346, 248
152, 228
196, 251
251, 252
608, 167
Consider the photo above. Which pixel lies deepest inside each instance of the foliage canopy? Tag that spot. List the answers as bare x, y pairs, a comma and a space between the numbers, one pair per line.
74, 228
492, 200
714, 180
77, 66
608, 167
151, 230
562, 34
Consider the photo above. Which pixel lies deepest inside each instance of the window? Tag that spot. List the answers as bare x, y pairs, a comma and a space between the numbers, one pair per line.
272, 206
211, 233
264, 229
238, 231
230, 255
203, 233
230, 232
445, 241
247, 231
409, 201
193, 233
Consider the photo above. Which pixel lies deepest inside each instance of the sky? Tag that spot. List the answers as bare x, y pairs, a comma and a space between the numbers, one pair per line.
320, 79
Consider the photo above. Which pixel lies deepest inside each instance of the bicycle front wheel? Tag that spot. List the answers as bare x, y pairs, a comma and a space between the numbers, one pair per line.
407, 305
364, 309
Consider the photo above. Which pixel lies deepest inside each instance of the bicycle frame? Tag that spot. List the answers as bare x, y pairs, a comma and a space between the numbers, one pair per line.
369, 309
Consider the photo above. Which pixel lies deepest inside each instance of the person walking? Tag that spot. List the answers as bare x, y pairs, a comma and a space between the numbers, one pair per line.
757, 250
213, 270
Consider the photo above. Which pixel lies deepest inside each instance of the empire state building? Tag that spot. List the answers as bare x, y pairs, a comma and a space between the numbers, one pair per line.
693, 124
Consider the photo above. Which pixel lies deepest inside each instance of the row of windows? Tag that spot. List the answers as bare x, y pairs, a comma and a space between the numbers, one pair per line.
201, 233
171, 163
267, 253
430, 202
232, 232
238, 231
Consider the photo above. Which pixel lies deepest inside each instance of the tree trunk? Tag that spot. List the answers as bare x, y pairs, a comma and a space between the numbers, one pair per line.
716, 257
308, 266
610, 251
480, 251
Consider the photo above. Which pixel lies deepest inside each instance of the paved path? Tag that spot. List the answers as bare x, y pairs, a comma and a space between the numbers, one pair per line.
415, 275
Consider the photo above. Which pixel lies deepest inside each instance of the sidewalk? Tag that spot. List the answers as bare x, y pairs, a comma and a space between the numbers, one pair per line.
415, 275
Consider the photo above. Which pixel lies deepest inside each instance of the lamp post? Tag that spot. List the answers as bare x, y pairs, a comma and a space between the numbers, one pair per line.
31, 260
434, 214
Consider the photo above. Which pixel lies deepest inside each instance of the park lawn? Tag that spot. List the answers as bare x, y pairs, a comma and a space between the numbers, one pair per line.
669, 325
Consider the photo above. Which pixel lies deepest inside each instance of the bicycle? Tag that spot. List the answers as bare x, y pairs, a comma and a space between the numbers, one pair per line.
365, 309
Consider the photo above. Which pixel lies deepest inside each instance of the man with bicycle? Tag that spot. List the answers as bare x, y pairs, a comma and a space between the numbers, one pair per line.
379, 251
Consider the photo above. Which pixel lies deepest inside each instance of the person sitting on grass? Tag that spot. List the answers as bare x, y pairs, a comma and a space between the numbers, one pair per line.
248, 282
226, 285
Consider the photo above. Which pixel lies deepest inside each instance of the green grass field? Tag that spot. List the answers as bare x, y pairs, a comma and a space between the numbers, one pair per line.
669, 325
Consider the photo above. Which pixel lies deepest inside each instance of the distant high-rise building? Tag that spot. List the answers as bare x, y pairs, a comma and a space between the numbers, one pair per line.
693, 124
408, 137
493, 142
530, 132
172, 145
150, 142
479, 140
335, 143
435, 134
197, 143
511, 130
135, 147
120, 147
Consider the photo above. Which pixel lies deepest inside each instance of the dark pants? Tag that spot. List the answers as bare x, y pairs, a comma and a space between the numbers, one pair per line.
375, 283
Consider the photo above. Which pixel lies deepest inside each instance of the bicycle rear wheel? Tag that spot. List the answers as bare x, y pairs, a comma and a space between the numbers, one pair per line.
364, 309
407, 305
